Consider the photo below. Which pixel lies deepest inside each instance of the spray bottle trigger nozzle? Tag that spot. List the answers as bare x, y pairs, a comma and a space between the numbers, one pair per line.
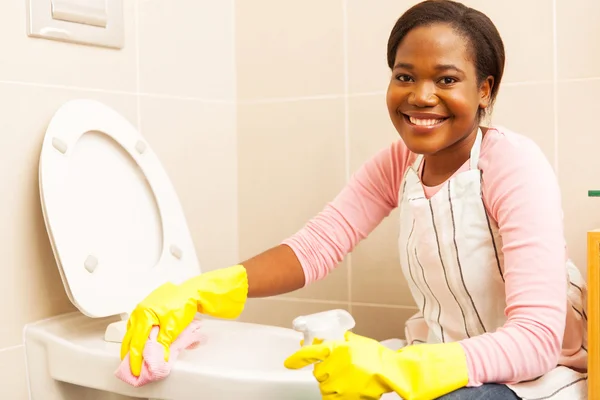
326, 326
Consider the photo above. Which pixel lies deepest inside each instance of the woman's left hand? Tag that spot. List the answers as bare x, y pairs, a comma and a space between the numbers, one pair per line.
356, 368
362, 368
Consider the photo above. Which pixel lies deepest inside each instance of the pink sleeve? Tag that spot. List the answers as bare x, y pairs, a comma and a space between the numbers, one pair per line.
522, 194
367, 199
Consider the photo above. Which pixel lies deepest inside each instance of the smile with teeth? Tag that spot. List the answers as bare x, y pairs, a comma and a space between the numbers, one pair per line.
425, 122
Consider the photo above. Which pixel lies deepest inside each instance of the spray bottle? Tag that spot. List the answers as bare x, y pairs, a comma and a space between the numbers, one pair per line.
326, 325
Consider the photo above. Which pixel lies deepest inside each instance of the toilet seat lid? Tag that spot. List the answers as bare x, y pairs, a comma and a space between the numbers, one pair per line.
113, 217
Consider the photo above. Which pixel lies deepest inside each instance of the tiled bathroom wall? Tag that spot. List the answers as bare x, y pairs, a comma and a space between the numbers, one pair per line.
260, 110
174, 79
312, 77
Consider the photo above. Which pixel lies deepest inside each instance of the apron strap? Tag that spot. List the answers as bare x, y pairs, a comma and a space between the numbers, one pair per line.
417, 164
476, 150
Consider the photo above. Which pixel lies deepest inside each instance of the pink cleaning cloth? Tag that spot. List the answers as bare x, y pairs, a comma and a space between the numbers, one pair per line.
154, 366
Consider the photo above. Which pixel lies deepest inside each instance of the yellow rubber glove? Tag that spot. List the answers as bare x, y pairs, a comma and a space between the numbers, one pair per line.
361, 368
221, 293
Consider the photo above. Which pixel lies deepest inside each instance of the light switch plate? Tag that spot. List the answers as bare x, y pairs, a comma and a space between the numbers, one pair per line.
41, 24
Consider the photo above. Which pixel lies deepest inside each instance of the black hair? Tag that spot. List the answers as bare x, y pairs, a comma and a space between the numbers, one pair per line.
486, 44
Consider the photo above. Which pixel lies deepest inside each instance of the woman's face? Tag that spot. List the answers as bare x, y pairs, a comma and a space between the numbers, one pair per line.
433, 97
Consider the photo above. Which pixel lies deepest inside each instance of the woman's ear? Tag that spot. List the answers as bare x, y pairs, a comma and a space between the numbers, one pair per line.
485, 92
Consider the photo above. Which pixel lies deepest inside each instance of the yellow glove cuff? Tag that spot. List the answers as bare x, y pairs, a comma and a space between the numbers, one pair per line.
221, 293
432, 370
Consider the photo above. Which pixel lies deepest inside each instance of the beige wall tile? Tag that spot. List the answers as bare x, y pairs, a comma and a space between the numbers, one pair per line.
281, 312
196, 143
369, 27
186, 48
289, 49
370, 128
291, 163
527, 32
27, 59
31, 283
13, 380
376, 273
381, 323
578, 163
528, 110
577, 39
333, 287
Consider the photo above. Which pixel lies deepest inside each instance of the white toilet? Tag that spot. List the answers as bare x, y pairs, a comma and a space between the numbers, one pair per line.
118, 231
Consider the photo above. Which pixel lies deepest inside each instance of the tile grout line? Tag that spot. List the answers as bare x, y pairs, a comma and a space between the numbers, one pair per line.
337, 302
366, 94
66, 87
393, 306
528, 83
347, 131
27, 375
235, 128
187, 98
118, 92
255, 101
138, 85
9, 348
573, 80
268, 100
555, 84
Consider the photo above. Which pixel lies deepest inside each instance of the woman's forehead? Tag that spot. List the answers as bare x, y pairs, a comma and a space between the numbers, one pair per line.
432, 45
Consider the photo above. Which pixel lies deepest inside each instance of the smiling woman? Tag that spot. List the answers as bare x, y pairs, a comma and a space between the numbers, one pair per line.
500, 304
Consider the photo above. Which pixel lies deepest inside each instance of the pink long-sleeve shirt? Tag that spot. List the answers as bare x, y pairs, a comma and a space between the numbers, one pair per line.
521, 193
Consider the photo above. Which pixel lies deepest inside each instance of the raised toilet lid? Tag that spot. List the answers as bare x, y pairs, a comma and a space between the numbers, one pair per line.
114, 220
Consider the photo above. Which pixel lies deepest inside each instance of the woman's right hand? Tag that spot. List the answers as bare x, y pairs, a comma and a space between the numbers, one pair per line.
220, 293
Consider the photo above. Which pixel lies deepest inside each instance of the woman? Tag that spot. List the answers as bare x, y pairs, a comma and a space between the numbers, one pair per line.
481, 241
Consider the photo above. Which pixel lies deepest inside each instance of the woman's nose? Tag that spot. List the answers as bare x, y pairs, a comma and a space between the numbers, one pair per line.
423, 95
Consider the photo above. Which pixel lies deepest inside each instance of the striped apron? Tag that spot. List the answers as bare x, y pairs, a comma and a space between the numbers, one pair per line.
451, 256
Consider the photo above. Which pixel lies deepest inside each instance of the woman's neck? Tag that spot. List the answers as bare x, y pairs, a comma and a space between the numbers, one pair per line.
439, 167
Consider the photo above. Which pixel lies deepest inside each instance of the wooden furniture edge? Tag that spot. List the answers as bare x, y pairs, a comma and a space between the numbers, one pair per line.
593, 308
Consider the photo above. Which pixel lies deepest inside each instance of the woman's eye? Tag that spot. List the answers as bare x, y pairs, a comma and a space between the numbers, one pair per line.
403, 78
447, 80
